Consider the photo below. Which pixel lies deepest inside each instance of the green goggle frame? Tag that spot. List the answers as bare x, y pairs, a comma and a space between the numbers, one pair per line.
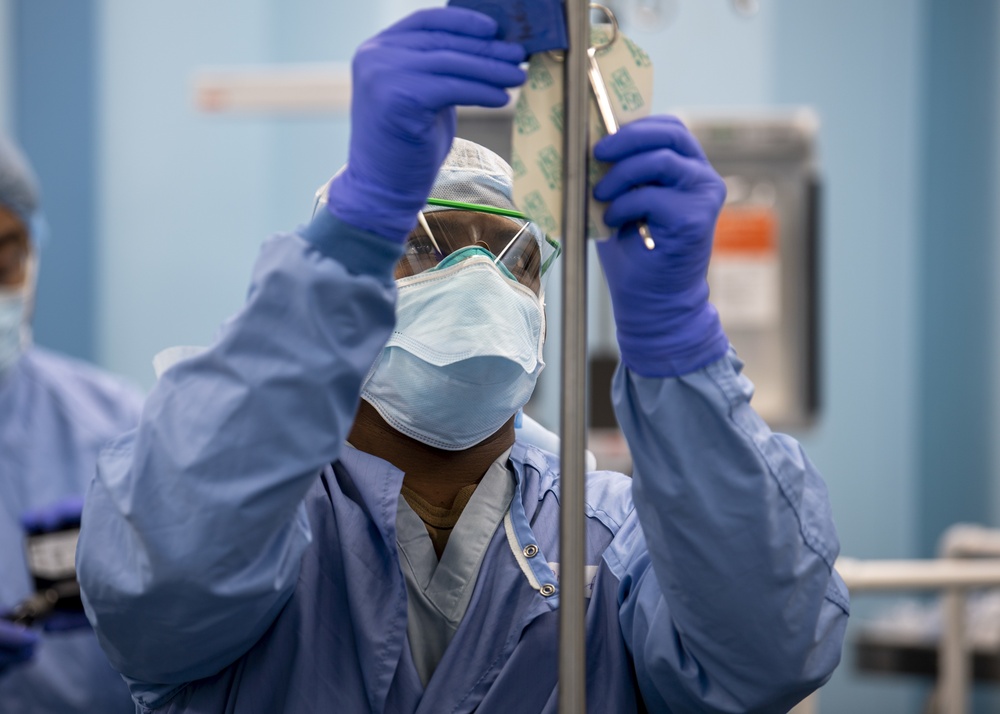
555, 245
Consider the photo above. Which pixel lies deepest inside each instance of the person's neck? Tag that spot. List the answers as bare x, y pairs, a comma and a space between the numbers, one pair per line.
436, 475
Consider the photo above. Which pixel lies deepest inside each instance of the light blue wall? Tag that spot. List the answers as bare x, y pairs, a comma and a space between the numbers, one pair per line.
958, 295
304, 152
53, 118
6, 67
994, 325
859, 64
187, 197
184, 196
958, 298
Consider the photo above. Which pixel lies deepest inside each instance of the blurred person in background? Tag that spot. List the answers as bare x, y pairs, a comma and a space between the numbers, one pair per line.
56, 413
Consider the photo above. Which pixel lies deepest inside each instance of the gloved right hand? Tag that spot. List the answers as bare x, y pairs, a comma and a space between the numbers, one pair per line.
64, 513
407, 81
666, 326
17, 644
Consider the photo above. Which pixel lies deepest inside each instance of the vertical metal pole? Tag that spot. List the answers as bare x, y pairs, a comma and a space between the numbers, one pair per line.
953, 656
572, 634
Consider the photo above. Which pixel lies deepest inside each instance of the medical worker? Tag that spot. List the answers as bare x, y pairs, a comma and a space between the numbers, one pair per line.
55, 415
327, 510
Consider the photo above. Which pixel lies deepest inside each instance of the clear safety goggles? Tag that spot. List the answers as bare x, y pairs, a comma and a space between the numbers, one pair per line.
445, 237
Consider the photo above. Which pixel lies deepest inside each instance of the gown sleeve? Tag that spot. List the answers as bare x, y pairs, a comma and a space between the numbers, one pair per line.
194, 528
732, 604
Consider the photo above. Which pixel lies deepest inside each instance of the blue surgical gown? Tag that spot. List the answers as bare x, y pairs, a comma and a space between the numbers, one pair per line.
57, 414
258, 567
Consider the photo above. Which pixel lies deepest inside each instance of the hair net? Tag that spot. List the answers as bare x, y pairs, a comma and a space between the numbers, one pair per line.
19, 189
473, 174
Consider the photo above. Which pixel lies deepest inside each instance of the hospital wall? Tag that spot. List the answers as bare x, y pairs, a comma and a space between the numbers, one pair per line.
158, 210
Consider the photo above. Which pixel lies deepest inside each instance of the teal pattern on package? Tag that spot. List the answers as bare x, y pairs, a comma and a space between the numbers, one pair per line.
540, 77
556, 116
628, 74
629, 97
525, 122
517, 165
550, 162
534, 206
640, 57
599, 36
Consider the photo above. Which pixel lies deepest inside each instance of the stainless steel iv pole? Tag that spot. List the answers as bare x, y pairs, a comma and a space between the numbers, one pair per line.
573, 409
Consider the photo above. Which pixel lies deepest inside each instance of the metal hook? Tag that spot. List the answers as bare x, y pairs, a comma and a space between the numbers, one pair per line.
612, 20
559, 55
747, 8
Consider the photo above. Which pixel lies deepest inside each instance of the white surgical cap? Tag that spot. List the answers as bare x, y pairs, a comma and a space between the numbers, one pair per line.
19, 189
473, 174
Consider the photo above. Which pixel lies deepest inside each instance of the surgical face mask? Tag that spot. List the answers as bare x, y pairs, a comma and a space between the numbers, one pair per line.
464, 357
15, 333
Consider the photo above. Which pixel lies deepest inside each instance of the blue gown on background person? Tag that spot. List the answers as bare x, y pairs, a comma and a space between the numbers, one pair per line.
57, 414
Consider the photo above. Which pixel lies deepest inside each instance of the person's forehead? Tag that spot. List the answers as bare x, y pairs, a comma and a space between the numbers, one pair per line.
471, 219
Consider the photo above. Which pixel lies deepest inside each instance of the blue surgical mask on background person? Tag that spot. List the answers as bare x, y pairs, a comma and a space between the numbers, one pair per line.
464, 357
15, 325
13, 320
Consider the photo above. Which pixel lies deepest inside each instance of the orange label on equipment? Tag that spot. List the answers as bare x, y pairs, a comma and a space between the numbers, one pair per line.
747, 230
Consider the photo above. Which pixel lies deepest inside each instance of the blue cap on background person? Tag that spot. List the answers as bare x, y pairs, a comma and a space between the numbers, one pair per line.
19, 192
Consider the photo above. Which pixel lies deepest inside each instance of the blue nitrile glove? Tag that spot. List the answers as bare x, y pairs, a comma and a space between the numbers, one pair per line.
666, 326
407, 81
55, 516
17, 644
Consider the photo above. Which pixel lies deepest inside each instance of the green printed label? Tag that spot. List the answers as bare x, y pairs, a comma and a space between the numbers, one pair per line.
556, 116
623, 86
539, 76
639, 56
550, 164
525, 121
599, 35
536, 210
517, 164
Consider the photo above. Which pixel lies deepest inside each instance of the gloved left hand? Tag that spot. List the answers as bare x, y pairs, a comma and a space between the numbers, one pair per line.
665, 325
55, 516
407, 81
17, 644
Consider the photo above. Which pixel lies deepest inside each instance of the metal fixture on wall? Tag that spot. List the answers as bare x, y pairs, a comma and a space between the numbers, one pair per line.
654, 14
764, 270
748, 8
